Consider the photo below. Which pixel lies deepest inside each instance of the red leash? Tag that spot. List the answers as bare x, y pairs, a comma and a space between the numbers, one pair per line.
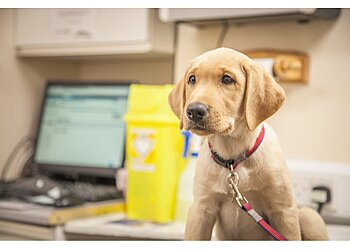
233, 178
262, 223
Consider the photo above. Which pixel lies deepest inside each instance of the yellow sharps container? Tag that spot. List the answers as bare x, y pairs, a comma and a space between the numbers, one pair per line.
153, 154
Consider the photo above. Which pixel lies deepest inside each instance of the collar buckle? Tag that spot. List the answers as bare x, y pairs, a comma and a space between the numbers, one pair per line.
231, 166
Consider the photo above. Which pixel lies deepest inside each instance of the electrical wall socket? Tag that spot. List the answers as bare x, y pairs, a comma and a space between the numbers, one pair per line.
301, 190
303, 185
308, 174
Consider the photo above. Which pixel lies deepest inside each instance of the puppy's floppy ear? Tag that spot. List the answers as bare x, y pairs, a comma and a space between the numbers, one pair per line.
263, 96
177, 101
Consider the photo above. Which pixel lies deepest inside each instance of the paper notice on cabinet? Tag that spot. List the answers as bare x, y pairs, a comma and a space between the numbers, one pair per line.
73, 24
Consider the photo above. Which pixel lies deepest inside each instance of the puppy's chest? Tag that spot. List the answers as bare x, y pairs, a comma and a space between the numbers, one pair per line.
234, 223
243, 178
214, 177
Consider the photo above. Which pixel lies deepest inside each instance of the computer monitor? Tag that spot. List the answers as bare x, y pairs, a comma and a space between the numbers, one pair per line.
81, 130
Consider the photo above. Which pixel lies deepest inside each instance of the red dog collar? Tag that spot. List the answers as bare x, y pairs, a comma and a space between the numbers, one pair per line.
233, 163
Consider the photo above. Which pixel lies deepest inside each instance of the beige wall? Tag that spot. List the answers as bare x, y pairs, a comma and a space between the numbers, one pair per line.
314, 122
21, 87
22, 82
155, 71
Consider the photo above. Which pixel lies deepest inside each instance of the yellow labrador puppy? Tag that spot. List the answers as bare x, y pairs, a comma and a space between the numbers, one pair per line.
225, 96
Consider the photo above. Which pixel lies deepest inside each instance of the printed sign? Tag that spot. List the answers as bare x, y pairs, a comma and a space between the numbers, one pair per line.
74, 24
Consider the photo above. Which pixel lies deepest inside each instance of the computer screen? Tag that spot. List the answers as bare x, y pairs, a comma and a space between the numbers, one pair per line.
82, 126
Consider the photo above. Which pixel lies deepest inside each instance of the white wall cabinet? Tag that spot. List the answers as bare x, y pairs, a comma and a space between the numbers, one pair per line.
92, 32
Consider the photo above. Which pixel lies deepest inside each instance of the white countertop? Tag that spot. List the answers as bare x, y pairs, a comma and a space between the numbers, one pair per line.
116, 225
108, 226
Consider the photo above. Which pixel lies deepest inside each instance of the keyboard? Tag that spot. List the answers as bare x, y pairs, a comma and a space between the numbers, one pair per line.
91, 192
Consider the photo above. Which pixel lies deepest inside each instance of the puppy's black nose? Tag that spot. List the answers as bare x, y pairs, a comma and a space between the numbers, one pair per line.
196, 111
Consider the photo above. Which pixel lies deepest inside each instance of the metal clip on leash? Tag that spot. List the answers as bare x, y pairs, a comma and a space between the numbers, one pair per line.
232, 180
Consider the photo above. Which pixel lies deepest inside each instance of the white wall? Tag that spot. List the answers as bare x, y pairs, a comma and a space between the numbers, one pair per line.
314, 122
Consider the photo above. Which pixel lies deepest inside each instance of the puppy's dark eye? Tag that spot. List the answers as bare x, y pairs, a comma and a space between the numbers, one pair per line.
192, 80
227, 79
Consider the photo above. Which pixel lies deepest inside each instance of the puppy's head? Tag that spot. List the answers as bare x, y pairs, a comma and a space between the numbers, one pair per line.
223, 88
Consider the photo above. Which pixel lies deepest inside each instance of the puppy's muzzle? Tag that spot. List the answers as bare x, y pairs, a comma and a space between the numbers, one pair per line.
197, 112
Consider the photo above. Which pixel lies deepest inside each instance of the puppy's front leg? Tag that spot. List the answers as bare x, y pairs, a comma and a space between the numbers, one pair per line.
200, 223
286, 222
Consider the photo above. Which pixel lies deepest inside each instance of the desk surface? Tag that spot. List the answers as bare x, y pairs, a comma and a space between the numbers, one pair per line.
116, 226
24, 212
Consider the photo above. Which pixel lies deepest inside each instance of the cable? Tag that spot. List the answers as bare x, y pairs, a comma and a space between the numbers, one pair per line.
222, 34
22, 161
14, 154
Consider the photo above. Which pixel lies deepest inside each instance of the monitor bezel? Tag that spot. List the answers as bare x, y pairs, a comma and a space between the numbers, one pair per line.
75, 171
